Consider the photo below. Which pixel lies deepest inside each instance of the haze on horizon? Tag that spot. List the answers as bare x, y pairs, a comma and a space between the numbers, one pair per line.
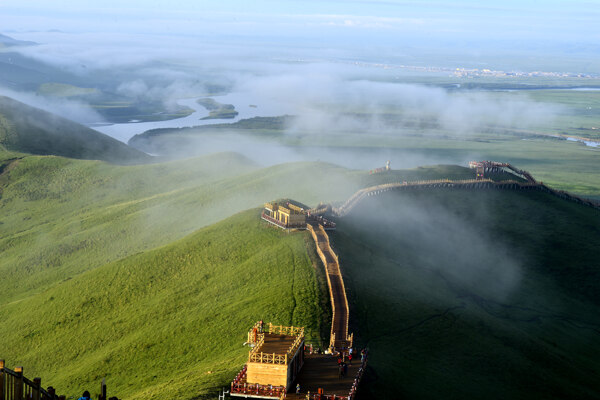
525, 35
308, 55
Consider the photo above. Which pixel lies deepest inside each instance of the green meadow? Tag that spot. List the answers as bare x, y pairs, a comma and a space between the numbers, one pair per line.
150, 275
474, 294
170, 322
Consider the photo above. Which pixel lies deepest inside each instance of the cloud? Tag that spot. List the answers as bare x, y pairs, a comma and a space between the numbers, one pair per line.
425, 234
325, 102
70, 109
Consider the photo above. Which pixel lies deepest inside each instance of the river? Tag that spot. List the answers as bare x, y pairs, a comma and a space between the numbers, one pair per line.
246, 104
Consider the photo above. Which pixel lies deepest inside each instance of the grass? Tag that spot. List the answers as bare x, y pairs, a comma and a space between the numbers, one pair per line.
64, 90
580, 116
217, 110
486, 294
166, 323
562, 164
30, 130
125, 111
61, 217
118, 271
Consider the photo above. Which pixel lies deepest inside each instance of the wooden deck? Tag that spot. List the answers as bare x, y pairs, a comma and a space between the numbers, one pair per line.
321, 371
278, 344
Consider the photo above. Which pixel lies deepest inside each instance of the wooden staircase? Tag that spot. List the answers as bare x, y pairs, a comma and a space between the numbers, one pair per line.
339, 338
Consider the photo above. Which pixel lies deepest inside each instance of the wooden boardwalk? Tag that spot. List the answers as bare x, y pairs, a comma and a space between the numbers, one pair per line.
489, 166
321, 371
339, 338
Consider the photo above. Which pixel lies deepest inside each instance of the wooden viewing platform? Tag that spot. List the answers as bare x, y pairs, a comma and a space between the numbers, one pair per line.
273, 363
278, 362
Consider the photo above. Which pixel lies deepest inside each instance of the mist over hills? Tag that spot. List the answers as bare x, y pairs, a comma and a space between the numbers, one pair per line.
120, 266
9, 42
29, 130
149, 270
486, 294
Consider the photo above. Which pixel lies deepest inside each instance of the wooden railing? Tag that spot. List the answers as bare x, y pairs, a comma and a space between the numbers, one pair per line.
286, 330
331, 298
438, 183
338, 272
240, 386
15, 386
359, 375
281, 224
258, 356
531, 182
295, 345
257, 346
332, 269
268, 358
255, 333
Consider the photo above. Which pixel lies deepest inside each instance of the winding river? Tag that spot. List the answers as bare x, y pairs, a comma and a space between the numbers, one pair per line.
246, 104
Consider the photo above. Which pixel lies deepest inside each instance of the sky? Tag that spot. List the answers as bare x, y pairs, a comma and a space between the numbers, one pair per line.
361, 28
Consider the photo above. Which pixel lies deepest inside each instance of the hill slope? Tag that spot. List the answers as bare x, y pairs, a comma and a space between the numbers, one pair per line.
60, 217
167, 323
30, 130
487, 294
81, 242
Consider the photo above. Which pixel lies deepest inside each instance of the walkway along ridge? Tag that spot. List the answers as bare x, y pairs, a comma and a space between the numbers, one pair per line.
361, 194
339, 340
269, 372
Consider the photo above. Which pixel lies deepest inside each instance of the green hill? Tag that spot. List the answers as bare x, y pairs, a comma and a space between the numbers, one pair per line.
486, 294
167, 323
126, 272
563, 165
60, 217
27, 129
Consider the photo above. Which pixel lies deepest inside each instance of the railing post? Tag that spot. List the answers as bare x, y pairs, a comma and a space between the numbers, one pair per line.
18, 389
2, 375
102, 390
37, 383
52, 392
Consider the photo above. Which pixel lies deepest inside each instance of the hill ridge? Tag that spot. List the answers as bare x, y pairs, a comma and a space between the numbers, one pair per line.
31, 130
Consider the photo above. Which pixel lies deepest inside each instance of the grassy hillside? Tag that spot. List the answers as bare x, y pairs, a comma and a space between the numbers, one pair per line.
30, 130
564, 165
474, 294
87, 248
60, 217
166, 323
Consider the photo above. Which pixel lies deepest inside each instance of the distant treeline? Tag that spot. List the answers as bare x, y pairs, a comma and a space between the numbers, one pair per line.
509, 86
273, 123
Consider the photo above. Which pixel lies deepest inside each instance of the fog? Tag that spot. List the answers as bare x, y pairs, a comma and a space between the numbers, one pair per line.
326, 103
74, 110
338, 73
425, 235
